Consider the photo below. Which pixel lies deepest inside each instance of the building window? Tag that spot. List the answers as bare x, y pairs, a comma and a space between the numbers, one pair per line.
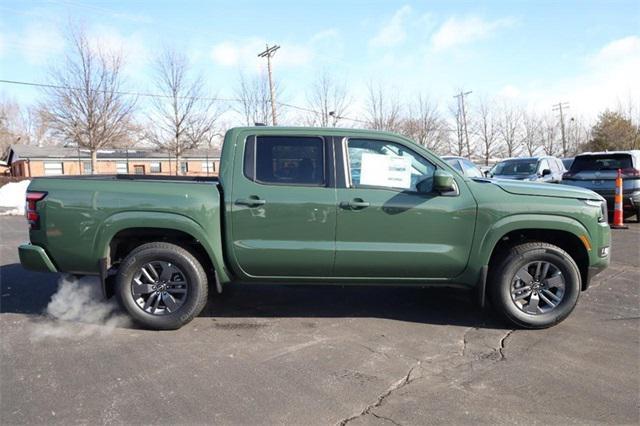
86, 167
139, 170
184, 167
53, 168
208, 167
155, 167
122, 168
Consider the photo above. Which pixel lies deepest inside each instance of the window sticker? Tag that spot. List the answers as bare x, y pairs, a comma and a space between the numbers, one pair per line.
385, 170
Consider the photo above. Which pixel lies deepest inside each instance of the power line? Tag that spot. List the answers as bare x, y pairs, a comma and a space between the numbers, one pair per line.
157, 95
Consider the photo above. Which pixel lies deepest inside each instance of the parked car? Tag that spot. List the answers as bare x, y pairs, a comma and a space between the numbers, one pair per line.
318, 206
567, 162
597, 171
464, 166
540, 169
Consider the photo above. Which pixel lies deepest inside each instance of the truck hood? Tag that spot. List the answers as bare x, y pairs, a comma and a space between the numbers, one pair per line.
545, 189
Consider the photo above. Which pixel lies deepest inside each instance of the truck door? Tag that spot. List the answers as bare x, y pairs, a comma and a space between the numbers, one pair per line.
283, 212
386, 227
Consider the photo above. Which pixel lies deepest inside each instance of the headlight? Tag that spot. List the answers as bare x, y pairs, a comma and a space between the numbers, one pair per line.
603, 216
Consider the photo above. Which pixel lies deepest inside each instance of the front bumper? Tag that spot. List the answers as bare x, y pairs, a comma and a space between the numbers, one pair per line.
35, 258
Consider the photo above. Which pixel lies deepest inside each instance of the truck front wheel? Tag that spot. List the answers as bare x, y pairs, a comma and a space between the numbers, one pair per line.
162, 286
536, 285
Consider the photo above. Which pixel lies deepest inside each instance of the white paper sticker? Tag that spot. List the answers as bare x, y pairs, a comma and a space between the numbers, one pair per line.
385, 170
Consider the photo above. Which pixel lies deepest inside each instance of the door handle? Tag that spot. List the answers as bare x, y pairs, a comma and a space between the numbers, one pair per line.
250, 202
355, 204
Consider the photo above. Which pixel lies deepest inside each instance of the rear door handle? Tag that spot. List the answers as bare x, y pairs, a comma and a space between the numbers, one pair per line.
355, 204
250, 202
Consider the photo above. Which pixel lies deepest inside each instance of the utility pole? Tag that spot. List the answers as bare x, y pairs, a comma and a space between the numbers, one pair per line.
462, 114
560, 107
268, 53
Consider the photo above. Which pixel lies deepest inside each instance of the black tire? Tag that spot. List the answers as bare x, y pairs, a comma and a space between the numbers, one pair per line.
638, 215
195, 282
503, 275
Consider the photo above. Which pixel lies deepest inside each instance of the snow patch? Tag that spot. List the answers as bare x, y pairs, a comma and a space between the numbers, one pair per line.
12, 198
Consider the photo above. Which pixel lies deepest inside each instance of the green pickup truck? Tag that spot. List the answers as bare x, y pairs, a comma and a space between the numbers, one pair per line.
322, 206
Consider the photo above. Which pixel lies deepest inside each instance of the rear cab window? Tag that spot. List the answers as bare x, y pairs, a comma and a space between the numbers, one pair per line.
285, 160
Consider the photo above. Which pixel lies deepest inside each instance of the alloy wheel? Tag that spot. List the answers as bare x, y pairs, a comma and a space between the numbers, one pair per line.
159, 287
538, 287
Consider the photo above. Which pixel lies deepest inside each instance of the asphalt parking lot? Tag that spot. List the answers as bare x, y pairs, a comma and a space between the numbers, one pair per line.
323, 355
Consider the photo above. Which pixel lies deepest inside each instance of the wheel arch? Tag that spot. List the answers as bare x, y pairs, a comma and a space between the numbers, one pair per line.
564, 232
143, 227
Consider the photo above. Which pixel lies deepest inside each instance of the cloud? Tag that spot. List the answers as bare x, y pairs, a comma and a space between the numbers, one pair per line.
111, 41
394, 32
509, 91
39, 42
458, 31
609, 75
244, 52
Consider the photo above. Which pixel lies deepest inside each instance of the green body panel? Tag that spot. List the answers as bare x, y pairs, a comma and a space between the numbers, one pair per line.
79, 217
35, 258
301, 234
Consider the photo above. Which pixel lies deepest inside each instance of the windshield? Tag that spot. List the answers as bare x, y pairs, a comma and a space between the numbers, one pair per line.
601, 162
515, 168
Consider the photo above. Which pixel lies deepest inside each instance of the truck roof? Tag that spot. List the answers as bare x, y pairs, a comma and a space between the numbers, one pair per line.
315, 130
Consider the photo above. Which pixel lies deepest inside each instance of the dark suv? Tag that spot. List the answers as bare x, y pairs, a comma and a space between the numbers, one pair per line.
597, 171
539, 169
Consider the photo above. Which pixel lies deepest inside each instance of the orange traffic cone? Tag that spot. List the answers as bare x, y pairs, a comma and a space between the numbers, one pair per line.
618, 217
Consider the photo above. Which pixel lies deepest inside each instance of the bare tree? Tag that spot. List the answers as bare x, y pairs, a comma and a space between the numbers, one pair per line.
255, 96
509, 128
383, 109
329, 101
531, 132
487, 129
183, 117
425, 125
87, 106
12, 126
577, 134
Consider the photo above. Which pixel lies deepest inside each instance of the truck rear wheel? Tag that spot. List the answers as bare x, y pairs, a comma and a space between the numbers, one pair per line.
162, 286
537, 285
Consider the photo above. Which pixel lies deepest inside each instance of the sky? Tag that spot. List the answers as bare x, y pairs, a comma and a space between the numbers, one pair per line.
535, 53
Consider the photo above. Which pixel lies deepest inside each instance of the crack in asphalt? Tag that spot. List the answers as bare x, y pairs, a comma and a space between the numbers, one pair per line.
377, 416
405, 380
502, 343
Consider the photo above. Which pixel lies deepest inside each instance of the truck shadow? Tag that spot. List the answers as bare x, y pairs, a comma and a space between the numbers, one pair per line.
27, 292
421, 305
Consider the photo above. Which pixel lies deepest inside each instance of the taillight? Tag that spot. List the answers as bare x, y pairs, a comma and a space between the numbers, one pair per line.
631, 172
32, 215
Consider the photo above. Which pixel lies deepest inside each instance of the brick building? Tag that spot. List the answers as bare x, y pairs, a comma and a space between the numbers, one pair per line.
32, 161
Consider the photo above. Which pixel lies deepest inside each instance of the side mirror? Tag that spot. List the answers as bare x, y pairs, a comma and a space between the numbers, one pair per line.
546, 172
443, 181
486, 173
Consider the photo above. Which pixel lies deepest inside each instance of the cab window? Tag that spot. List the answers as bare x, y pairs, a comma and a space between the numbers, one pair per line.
384, 164
285, 160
